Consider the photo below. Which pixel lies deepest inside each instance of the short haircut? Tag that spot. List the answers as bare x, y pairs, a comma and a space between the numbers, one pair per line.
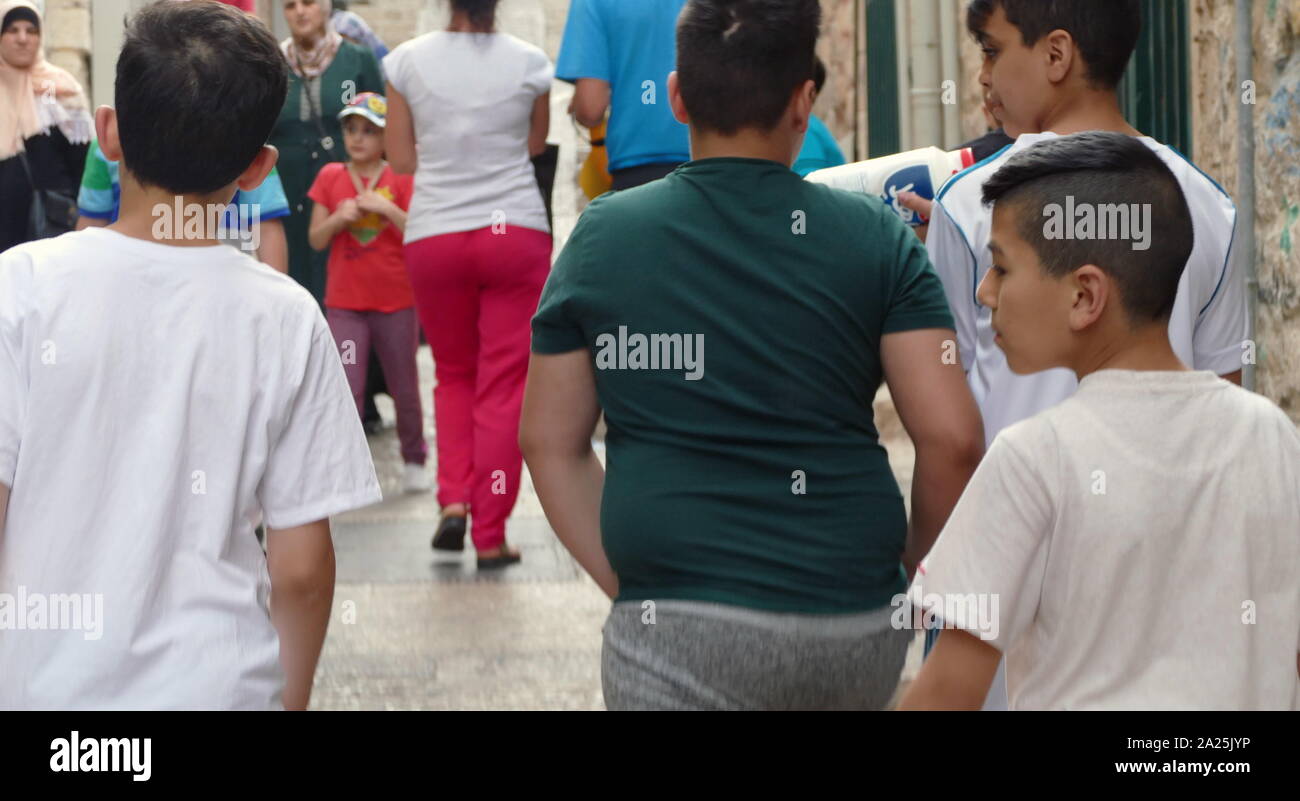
740, 61
1102, 168
481, 13
199, 87
1105, 31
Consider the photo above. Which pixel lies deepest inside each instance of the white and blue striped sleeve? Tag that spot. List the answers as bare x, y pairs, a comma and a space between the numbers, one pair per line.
955, 263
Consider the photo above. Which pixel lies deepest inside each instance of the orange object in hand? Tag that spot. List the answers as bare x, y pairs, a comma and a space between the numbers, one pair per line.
594, 177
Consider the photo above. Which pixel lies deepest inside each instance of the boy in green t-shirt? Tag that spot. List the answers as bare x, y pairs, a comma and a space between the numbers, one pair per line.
749, 511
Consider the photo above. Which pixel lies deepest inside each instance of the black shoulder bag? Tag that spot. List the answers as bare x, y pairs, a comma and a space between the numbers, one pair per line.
52, 212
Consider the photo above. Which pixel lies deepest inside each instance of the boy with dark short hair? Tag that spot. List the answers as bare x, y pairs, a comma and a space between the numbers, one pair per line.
160, 395
1138, 545
1052, 68
749, 527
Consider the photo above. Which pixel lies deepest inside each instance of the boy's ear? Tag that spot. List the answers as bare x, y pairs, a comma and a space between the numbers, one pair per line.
802, 102
1092, 294
257, 171
1061, 51
106, 133
675, 100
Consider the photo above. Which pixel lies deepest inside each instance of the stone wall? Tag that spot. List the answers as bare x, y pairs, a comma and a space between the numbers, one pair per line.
837, 105
1216, 99
66, 37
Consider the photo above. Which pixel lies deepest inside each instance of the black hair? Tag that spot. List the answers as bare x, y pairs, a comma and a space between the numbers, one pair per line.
1105, 31
739, 61
1106, 170
481, 13
819, 74
199, 87
20, 14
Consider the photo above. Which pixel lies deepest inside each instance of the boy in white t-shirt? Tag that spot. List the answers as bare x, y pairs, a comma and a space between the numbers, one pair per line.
1052, 69
160, 395
1138, 545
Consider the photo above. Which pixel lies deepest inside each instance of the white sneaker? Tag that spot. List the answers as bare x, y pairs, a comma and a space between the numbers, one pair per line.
414, 479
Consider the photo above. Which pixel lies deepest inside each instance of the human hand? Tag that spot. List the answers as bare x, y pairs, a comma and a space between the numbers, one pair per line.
349, 211
372, 202
921, 206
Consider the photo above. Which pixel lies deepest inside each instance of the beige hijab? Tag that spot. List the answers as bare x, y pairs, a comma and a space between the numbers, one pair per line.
315, 58
42, 96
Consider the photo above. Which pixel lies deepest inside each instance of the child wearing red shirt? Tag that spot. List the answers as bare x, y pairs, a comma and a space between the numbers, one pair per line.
360, 215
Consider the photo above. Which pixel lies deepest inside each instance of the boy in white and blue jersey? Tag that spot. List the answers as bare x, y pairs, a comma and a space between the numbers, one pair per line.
1051, 69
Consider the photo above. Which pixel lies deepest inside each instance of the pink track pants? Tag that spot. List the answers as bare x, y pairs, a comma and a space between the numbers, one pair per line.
476, 293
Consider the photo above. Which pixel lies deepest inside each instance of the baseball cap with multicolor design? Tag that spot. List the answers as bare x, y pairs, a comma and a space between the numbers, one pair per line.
371, 105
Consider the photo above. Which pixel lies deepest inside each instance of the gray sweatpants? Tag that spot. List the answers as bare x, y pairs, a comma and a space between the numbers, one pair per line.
697, 655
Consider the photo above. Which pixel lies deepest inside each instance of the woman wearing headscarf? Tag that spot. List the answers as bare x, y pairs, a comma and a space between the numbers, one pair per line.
325, 72
45, 122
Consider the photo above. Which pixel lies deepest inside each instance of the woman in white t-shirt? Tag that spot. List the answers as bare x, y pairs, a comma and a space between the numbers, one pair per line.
478, 248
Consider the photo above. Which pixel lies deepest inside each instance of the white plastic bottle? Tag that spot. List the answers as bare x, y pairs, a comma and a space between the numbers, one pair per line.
922, 171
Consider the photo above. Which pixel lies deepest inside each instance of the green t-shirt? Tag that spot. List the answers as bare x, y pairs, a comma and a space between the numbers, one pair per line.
743, 463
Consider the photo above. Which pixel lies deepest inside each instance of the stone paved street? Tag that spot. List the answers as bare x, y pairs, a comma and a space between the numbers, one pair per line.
430, 633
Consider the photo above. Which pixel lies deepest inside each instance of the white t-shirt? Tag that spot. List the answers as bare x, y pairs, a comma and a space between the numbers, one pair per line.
156, 403
471, 97
1142, 539
1208, 325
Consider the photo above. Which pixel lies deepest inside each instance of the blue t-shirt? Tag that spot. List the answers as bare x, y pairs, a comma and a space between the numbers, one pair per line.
633, 47
100, 195
820, 150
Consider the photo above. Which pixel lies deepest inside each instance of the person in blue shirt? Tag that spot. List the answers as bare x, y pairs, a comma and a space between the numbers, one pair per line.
99, 198
820, 150
618, 55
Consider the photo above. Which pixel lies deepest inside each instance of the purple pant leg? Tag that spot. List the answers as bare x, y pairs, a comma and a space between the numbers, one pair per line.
352, 336
395, 337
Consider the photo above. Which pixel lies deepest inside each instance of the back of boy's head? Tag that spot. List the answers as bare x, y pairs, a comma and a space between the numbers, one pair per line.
199, 87
1105, 31
740, 61
1101, 168
480, 12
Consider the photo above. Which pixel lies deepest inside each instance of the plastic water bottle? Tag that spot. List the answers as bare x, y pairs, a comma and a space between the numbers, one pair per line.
922, 171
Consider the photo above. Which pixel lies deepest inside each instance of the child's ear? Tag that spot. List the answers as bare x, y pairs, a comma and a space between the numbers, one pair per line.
1061, 51
675, 100
1092, 290
106, 133
260, 167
